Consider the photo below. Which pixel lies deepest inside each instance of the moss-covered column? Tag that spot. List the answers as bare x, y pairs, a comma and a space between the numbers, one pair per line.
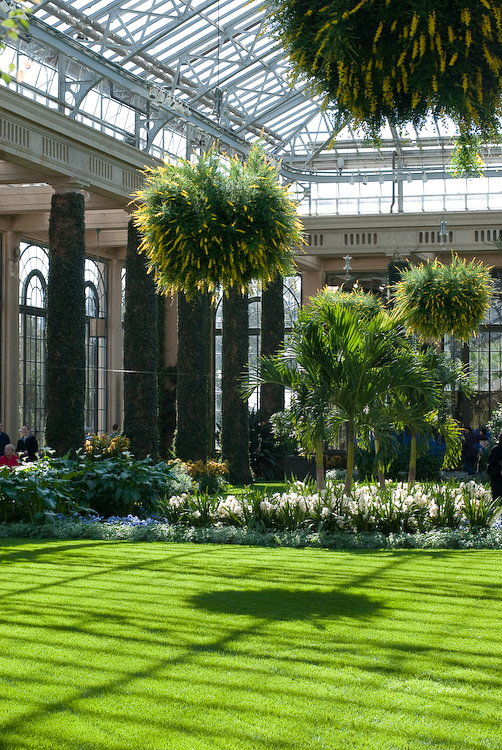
234, 409
140, 353
193, 431
66, 324
271, 338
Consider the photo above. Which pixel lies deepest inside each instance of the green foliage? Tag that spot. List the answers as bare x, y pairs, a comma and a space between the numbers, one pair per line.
120, 485
211, 222
379, 60
446, 508
395, 270
437, 299
397, 460
481, 512
465, 160
178, 481
39, 490
265, 452
495, 425
102, 446
10, 27
116, 485
284, 431
209, 476
340, 371
65, 393
364, 304
140, 353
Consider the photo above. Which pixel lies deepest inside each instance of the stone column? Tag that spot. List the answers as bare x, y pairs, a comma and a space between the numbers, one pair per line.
65, 401
141, 423
234, 409
10, 335
115, 346
272, 336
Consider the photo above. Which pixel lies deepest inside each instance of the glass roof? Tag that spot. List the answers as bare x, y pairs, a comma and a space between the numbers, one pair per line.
171, 76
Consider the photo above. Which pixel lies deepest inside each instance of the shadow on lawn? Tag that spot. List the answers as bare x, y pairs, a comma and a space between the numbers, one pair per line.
281, 604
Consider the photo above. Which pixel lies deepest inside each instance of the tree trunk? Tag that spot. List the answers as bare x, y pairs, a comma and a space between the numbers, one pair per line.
234, 409
272, 336
66, 324
412, 470
140, 353
319, 465
350, 461
380, 471
193, 438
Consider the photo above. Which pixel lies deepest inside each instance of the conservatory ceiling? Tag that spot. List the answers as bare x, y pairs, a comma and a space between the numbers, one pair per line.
174, 76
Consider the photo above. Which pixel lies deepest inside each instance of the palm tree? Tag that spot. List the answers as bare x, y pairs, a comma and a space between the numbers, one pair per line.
340, 371
424, 420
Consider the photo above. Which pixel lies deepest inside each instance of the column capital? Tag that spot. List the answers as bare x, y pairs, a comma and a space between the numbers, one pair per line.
69, 184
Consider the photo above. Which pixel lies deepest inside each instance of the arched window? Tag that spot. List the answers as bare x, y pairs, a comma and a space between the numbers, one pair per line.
33, 275
33, 272
95, 345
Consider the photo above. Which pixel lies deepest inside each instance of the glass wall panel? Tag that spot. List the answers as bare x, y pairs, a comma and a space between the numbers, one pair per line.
33, 272
95, 345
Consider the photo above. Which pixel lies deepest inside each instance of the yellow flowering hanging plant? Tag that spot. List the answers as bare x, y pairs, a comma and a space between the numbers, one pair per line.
211, 223
437, 299
399, 60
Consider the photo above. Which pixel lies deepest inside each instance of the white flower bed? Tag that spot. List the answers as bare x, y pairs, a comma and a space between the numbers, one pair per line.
395, 508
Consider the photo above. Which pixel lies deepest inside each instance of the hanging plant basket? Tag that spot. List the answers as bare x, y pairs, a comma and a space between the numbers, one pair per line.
436, 299
397, 60
214, 222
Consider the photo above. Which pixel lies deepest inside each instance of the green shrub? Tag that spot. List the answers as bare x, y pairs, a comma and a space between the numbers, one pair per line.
431, 458
265, 451
120, 485
209, 476
103, 446
111, 486
38, 491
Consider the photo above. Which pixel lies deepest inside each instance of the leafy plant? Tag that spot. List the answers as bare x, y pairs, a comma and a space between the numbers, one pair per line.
119, 485
436, 299
379, 60
284, 431
445, 505
103, 446
479, 508
465, 160
216, 222
10, 27
264, 450
364, 304
210, 475
39, 490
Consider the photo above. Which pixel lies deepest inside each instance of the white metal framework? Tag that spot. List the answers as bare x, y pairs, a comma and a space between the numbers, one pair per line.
168, 75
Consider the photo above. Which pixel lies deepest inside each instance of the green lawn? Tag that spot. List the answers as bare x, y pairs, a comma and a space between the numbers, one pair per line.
108, 646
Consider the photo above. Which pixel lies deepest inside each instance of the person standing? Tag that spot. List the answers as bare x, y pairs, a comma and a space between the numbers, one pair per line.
27, 445
494, 468
4, 440
470, 450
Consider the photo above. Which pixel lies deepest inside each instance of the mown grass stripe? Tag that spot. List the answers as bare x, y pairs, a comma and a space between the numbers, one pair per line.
113, 646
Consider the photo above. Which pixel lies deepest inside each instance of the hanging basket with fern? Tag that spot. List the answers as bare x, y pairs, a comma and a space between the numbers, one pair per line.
397, 60
214, 222
437, 299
